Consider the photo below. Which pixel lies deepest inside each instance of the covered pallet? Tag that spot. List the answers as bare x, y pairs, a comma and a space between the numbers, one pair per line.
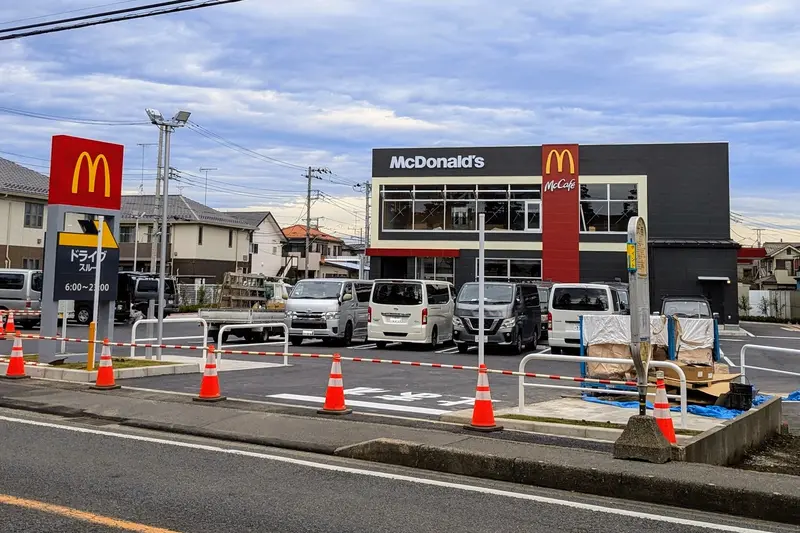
609, 336
694, 340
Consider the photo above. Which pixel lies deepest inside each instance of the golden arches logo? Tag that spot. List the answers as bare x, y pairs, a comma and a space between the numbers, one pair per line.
93, 165
559, 161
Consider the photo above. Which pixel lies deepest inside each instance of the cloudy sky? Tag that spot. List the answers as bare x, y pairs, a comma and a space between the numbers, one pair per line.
275, 86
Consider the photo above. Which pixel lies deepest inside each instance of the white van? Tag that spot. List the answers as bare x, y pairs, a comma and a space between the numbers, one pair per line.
411, 310
568, 301
21, 290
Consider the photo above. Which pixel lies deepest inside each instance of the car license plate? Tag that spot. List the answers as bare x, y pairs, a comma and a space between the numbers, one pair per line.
307, 333
485, 338
395, 320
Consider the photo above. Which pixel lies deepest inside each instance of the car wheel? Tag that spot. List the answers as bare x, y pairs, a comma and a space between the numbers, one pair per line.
347, 340
296, 341
381, 345
463, 347
434, 338
83, 316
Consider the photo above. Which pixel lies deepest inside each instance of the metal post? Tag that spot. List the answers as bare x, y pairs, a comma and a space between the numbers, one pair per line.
481, 284
151, 308
308, 220
64, 327
135, 244
162, 272
97, 265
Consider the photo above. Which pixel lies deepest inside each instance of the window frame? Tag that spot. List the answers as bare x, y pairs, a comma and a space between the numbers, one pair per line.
230, 238
200, 236
29, 215
607, 201
533, 230
127, 233
508, 277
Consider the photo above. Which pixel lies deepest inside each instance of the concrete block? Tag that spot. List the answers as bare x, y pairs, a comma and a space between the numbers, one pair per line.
54, 373
135, 373
642, 440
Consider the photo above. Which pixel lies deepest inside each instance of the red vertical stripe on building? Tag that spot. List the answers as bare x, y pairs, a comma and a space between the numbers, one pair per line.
560, 216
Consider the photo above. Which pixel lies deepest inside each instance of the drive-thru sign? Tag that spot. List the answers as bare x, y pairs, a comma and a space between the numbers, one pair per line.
85, 179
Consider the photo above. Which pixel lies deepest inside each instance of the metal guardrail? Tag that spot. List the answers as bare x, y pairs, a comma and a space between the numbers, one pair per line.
171, 321
744, 366
584, 359
228, 327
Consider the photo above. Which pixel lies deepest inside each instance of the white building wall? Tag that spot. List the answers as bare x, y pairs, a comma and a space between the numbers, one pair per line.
268, 260
215, 243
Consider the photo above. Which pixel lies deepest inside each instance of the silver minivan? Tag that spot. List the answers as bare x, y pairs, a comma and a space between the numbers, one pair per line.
21, 290
331, 309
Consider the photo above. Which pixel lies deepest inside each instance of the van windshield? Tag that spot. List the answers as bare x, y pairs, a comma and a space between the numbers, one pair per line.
316, 290
397, 293
151, 285
493, 293
687, 308
580, 299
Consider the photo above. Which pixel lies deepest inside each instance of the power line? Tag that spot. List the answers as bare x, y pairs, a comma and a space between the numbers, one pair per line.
66, 12
131, 16
73, 120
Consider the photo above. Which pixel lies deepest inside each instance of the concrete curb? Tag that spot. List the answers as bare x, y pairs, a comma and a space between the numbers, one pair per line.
82, 376
754, 503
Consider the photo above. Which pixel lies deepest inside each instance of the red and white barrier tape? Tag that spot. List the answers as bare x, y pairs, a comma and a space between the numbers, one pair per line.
19, 312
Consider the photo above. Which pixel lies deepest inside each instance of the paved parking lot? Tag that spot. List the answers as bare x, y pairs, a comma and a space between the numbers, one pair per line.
419, 391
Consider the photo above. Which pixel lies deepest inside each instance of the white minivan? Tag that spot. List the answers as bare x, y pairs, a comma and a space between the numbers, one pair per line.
568, 301
410, 310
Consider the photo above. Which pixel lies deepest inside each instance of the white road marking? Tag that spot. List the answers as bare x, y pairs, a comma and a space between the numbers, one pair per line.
395, 477
748, 333
796, 338
452, 349
365, 347
358, 403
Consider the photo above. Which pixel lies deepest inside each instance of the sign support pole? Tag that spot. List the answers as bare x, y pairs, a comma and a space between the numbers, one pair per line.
481, 284
639, 286
97, 264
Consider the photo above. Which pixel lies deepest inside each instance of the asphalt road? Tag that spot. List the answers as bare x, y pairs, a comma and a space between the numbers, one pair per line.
414, 391
122, 479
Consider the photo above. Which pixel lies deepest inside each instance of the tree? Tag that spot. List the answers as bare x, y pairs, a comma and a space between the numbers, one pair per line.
744, 305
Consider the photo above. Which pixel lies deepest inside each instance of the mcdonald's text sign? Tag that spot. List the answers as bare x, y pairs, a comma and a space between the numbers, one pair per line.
85, 173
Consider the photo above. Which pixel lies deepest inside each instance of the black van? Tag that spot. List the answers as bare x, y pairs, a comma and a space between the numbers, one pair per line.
512, 316
134, 292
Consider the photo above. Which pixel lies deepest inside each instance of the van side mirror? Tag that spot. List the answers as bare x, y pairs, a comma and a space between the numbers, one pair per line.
715, 316
347, 297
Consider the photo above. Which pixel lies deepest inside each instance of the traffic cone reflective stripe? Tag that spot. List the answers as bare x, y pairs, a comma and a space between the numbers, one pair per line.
209, 385
483, 412
105, 370
661, 410
334, 395
16, 365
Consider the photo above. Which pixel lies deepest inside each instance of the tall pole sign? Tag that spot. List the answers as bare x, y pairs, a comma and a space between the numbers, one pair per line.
85, 179
639, 287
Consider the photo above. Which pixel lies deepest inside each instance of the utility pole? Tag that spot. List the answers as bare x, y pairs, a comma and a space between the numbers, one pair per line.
368, 201
206, 170
311, 174
144, 147
758, 237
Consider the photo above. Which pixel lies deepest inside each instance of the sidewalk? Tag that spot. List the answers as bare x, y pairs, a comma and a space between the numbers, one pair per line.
506, 456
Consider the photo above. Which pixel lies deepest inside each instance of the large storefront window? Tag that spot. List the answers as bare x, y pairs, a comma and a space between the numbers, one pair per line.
435, 268
608, 207
511, 269
456, 207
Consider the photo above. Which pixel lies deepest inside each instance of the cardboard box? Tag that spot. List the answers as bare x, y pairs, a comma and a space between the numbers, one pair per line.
695, 373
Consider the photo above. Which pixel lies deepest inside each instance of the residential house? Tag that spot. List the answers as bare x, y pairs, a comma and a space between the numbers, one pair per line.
748, 261
780, 268
202, 244
321, 245
266, 248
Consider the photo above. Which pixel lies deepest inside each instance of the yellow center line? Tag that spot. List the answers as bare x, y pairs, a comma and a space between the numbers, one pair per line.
75, 514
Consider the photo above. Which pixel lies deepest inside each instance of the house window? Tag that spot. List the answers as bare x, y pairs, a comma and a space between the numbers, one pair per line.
200, 236
274, 250
255, 247
34, 215
150, 234
510, 269
32, 264
230, 238
607, 207
126, 233
785, 264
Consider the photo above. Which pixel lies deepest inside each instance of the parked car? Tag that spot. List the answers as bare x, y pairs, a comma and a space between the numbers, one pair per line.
331, 309
686, 307
21, 290
512, 316
413, 311
568, 301
134, 292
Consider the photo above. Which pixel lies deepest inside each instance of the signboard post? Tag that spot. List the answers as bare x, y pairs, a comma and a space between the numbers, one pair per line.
639, 287
481, 286
85, 179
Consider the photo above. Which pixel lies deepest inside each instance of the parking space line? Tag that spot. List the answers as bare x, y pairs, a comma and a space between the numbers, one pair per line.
796, 338
358, 403
452, 349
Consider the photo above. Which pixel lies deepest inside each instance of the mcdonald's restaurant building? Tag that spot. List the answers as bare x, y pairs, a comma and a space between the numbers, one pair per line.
558, 213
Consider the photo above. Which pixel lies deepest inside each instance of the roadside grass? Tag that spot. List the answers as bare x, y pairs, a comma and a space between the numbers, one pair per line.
118, 362
585, 423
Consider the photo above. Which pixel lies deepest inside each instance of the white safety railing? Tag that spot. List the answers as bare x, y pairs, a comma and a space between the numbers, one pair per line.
583, 359
266, 325
201, 321
744, 366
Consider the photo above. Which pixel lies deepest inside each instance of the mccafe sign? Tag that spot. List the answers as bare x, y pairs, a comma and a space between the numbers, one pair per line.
565, 184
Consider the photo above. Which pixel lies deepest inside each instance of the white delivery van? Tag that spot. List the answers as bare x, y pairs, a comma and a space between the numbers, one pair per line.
411, 310
568, 301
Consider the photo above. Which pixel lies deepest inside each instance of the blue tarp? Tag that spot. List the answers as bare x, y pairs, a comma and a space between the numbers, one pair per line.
712, 411
794, 397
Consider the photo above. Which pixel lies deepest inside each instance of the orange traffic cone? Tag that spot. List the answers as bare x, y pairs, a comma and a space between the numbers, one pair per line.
482, 413
209, 386
2, 329
16, 366
661, 410
105, 370
334, 396
11, 329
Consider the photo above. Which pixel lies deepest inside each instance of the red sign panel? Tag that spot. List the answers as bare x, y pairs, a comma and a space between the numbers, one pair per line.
560, 216
85, 173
